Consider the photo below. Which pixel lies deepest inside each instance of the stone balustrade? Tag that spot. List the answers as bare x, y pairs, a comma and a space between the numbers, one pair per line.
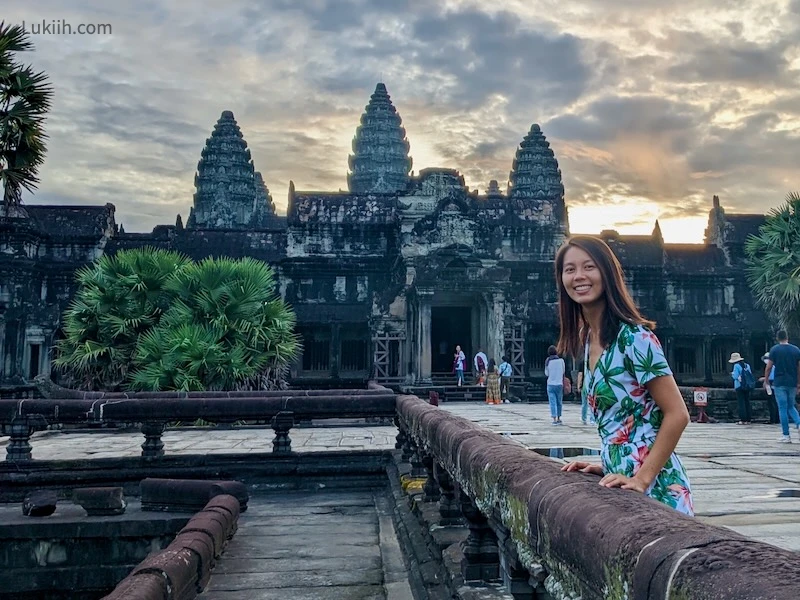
21, 418
537, 528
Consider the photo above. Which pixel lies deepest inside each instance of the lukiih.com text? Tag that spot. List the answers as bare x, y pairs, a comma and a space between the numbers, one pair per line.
61, 27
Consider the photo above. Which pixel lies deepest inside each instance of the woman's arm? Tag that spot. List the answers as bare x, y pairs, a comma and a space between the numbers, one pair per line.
665, 392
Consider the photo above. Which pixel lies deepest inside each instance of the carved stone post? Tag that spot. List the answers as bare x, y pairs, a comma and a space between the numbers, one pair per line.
538, 575
281, 424
400, 438
449, 510
417, 470
481, 560
407, 448
430, 489
153, 447
19, 447
514, 574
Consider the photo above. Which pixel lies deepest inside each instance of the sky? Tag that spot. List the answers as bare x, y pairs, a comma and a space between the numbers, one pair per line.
651, 107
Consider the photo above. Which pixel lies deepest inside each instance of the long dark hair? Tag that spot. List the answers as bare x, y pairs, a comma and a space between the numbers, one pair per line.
620, 307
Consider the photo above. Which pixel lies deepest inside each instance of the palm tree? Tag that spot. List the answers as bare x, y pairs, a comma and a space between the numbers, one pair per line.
773, 270
151, 319
25, 98
119, 298
225, 329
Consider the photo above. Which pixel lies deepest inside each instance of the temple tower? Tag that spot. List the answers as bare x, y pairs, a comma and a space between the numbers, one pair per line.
380, 162
225, 183
534, 172
263, 206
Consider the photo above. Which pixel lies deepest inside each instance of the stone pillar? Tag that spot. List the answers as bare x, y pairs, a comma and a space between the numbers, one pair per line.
516, 577
2, 341
153, 447
495, 325
449, 510
281, 424
425, 338
708, 375
431, 488
335, 351
481, 561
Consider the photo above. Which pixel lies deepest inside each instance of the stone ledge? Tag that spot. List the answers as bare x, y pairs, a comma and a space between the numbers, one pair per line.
182, 570
545, 511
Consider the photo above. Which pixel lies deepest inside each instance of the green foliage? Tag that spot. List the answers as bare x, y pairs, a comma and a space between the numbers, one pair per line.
149, 319
773, 265
25, 98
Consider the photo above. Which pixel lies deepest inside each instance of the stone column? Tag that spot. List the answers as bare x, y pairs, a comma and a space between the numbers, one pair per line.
495, 325
708, 375
336, 349
425, 340
2, 341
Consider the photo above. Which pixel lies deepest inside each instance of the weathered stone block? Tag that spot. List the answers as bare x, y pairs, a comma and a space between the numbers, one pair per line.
101, 501
143, 586
188, 495
40, 504
178, 566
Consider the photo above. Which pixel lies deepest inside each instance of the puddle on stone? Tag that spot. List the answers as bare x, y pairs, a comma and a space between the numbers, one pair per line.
566, 452
785, 493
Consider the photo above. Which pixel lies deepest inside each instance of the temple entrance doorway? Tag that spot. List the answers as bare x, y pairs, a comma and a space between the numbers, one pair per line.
450, 325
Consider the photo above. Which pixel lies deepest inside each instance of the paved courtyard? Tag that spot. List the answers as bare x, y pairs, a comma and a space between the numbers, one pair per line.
737, 472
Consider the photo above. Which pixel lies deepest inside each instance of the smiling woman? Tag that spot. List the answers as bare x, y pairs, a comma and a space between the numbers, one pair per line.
629, 386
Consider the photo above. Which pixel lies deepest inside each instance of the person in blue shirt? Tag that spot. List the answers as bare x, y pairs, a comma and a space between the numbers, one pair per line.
505, 371
785, 357
742, 392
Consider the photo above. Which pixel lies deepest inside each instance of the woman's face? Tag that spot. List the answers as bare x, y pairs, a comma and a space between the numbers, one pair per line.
458, 349
581, 277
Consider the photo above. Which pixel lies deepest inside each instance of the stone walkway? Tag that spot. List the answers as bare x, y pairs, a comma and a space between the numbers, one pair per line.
307, 546
736, 471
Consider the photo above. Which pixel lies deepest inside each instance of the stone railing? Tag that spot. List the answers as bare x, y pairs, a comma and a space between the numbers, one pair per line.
21, 418
543, 531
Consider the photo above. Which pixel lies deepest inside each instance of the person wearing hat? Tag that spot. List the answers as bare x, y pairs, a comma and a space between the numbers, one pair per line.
743, 382
772, 405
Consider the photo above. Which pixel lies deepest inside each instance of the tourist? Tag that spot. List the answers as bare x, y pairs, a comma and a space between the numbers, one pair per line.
743, 382
639, 410
786, 359
492, 384
505, 371
479, 362
555, 369
769, 383
458, 365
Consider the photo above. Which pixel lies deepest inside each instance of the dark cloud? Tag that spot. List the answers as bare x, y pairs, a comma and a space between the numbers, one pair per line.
701, 58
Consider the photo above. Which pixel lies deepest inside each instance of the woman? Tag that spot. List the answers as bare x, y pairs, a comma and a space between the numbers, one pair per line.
639, 410
554, 369
492, 384
742, 391
458, 365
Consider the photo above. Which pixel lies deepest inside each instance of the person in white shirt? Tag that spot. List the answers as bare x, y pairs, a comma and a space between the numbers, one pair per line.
505, 371
480, 362
555, 368
458, 365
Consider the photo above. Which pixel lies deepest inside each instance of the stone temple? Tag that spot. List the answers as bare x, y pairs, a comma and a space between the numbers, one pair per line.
388, 277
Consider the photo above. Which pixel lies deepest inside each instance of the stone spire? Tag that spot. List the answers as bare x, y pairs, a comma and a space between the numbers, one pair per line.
534, 172
225, 183
263, 207
380, 163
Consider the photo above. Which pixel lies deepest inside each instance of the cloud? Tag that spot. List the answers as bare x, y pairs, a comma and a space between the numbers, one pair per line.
660, 104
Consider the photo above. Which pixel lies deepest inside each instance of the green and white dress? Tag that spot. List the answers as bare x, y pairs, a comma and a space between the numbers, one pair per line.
628, 418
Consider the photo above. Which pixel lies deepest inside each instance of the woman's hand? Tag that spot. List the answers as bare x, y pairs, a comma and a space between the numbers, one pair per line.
613, 480
583, 467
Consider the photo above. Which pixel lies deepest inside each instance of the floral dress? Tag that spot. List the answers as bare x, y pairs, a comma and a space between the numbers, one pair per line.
628, 418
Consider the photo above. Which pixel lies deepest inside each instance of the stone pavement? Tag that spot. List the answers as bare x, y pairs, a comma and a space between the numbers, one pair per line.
308, 546
736, 471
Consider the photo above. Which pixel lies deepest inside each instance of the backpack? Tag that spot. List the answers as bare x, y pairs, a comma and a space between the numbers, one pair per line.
748, 379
